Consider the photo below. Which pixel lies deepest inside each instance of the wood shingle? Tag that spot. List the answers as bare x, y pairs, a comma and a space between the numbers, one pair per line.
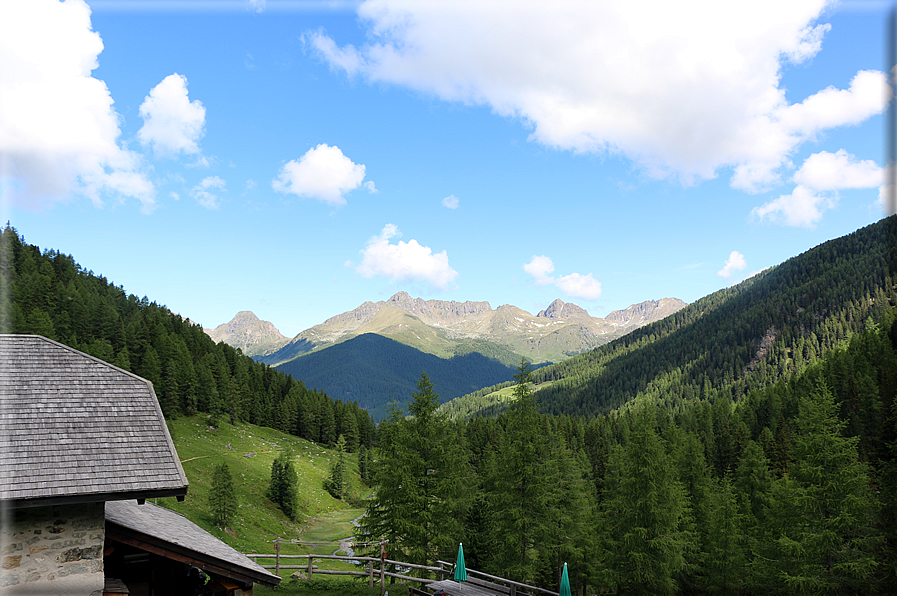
74, 428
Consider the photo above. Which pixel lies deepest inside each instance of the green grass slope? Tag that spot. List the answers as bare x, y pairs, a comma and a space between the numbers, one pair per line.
249, 451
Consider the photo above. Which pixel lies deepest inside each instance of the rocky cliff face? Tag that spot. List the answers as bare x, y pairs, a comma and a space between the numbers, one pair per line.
646, 312
247, 332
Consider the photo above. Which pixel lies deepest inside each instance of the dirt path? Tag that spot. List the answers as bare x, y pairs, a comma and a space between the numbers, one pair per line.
345, 544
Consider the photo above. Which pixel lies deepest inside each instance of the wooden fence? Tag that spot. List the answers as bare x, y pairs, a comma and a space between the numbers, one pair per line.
376, 569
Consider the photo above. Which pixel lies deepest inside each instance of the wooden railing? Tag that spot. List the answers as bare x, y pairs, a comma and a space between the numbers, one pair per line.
499, 584
376, 568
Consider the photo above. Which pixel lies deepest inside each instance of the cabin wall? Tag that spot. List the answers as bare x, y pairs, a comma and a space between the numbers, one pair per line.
53, 550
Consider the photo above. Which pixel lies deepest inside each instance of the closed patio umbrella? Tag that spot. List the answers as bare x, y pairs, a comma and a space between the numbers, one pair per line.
565, 583
460, 569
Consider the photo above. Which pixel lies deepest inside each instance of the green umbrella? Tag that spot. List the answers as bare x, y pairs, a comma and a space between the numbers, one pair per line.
565, 583
460, 569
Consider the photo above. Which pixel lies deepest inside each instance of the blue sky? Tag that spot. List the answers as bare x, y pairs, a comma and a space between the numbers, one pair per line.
297, 158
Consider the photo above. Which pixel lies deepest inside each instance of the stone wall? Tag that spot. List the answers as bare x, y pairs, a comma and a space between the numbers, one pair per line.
53, 550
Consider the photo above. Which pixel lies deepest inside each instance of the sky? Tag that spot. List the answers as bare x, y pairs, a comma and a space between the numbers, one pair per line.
297, 158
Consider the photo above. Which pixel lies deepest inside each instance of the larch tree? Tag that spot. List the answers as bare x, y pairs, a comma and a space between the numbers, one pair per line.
223, 496
644, 515
283, 488
826, 534
420, 475
518, 485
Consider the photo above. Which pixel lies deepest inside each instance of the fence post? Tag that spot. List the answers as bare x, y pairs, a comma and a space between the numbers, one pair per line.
310, 566
277, 556
370, 574
513, 590
382, 566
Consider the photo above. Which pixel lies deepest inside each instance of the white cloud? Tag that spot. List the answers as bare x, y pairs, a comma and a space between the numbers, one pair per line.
58, 130
172, 124
833, 171
256, 6
450, 202
574, 285
734, 263
802, 208
323, 174
580, 286
405, 261
818, 180
202, 191
683, 89
539, 268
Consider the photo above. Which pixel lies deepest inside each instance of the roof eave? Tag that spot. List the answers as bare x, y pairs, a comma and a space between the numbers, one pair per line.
198, 559
140, 495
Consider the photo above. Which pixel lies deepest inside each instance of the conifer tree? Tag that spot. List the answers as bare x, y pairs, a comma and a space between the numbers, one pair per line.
283, 488
725, 564
337, 482
422, 496
824, 509
643, 514
223, 495
517, 483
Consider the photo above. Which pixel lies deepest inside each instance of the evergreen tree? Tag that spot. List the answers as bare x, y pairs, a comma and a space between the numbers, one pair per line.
642, 515
421, 479
337, 483
725, 561
825, 539
223, 495
517, 483
283, 489
364, 465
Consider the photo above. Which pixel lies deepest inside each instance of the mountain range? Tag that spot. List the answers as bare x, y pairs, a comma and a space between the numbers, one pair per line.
449, 328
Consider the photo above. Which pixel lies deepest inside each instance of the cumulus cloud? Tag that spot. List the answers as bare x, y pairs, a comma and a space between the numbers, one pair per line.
803, 207
323, 174
450, 202
574, 285
818, 180
734, 263
58, 130
833, 171
405, 261
172, 124
203, 194
610, 76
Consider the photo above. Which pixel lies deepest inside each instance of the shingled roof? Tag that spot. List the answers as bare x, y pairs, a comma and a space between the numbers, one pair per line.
169, 534
74, 428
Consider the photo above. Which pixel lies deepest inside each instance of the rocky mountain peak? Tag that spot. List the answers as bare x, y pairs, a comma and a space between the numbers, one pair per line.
560, 310
553, 311
249, 333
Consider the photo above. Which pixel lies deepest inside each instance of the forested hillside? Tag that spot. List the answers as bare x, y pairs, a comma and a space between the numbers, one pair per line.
738, 339
48, 293
791, 490
375, 370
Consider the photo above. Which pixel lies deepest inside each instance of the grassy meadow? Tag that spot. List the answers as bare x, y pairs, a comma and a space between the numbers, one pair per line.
249, 451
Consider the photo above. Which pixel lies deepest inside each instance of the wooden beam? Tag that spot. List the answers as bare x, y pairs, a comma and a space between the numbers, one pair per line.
155, 548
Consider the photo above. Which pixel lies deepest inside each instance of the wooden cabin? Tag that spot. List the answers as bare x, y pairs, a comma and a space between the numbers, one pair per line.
83, 444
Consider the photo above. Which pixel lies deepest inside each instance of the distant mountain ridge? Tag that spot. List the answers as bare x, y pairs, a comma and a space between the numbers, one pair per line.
446, 327
373, 371
252, 336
